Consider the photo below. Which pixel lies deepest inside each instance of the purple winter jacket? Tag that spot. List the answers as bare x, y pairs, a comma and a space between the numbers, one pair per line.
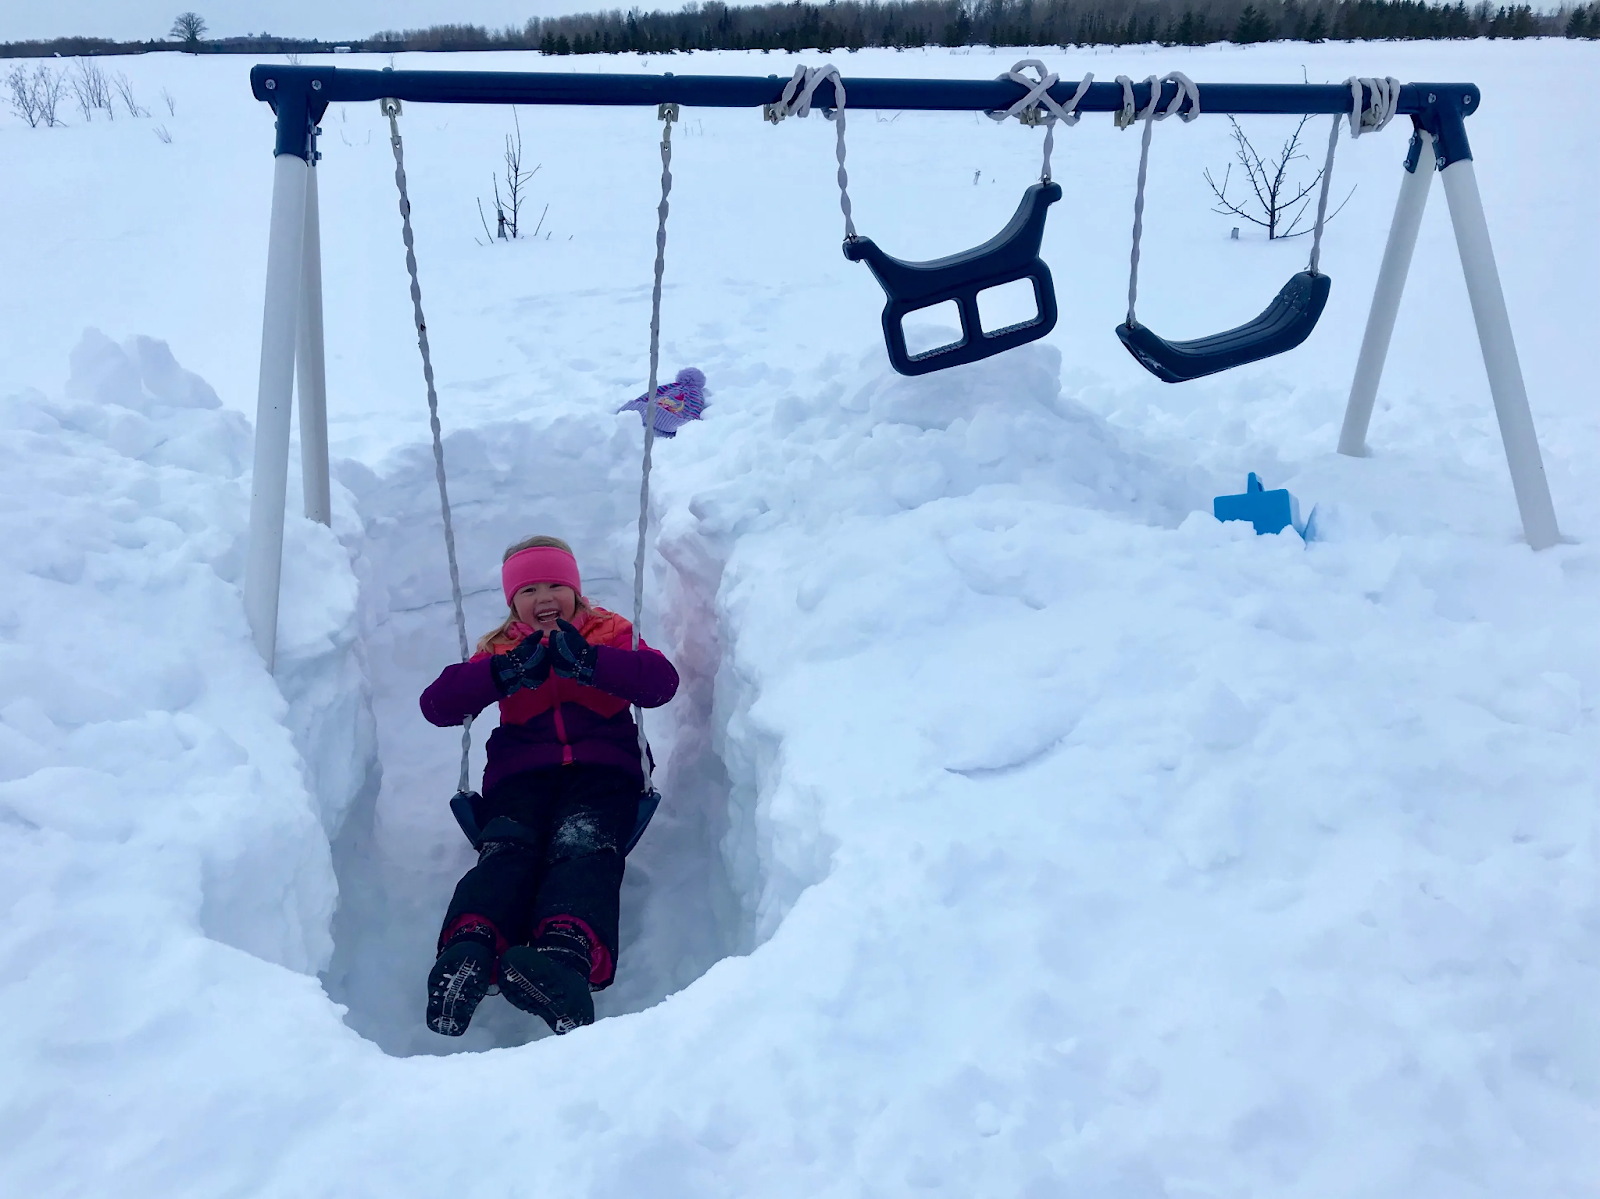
560, 722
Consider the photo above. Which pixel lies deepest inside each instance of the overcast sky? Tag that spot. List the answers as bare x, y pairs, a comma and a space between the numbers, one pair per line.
137, 19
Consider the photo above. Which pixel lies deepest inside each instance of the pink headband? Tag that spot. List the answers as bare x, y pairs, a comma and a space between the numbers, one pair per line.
540, 564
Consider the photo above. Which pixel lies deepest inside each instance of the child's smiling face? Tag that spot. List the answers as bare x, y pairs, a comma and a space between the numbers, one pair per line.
542, 604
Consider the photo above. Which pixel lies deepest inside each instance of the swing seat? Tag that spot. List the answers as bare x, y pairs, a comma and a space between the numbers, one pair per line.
1285, 323
1011, 255
463, 806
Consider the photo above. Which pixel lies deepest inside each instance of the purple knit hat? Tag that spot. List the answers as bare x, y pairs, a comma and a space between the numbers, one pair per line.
677, 403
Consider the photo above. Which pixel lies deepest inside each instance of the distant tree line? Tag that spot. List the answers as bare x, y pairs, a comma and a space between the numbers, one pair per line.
73, 47
854, 24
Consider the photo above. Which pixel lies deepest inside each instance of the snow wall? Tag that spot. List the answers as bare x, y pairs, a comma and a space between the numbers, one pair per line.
163, 779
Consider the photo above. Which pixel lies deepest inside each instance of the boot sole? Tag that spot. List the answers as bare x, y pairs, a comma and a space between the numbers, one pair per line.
456, 985
558, 996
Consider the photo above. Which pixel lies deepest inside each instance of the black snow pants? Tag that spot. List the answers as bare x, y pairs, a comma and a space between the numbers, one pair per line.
552, 855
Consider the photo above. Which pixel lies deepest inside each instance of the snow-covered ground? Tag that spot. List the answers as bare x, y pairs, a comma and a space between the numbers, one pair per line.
1028, 833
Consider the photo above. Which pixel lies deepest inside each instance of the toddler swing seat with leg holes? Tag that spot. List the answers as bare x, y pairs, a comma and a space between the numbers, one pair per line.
1011, 255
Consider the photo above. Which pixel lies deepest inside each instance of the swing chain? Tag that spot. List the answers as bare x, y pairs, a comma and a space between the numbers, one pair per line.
391, 109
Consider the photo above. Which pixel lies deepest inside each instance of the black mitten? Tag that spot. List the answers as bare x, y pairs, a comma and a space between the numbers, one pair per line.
572, 656
527, 664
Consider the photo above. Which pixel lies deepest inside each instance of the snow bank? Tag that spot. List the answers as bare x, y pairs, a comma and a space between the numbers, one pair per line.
134, 713
161, 798
1198, 856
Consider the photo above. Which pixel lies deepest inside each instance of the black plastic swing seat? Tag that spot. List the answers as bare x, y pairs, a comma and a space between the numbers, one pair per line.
1285, 323
463, 806
1009, 256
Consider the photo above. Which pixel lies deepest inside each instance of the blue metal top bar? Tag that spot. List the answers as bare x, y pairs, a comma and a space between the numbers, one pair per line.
312, 89
732, 91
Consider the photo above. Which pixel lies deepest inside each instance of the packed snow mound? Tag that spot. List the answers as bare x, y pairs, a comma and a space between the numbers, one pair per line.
152, 783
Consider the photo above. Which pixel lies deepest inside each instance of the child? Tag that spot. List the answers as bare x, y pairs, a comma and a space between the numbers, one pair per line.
560, 795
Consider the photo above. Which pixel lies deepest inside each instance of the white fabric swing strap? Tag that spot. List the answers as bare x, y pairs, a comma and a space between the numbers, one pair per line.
1366, 115
667, 113
1372, 115
1150, 114
796, 102
1039, 107
391, 109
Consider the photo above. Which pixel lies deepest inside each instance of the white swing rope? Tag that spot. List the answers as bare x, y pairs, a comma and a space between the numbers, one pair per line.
796, 102
1364, 116
391, 109
1028, 110
1385, 94
1322, 196
1125, 116
667, 114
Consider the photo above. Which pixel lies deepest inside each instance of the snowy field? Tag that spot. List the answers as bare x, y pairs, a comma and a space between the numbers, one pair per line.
1027, 833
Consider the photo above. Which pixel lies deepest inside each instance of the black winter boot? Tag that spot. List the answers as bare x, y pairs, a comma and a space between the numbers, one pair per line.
460, 978
544, 982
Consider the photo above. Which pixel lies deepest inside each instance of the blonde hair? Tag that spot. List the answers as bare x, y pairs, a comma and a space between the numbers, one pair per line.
499, 633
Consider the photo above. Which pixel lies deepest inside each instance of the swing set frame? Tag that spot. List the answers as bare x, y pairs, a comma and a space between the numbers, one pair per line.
292, 354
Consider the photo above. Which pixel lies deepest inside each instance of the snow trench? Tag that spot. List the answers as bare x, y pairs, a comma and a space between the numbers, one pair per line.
302, 817
399, 855
736, 842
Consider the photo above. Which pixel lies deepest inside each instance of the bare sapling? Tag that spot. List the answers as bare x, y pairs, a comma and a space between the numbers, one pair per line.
508, 206
48, 88
82, 92
1274, 201
20, 94
90, 88
124, 89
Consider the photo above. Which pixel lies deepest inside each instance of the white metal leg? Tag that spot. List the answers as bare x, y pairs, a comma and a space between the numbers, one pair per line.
311, 370
1500, 355
1386, 294
274, 393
